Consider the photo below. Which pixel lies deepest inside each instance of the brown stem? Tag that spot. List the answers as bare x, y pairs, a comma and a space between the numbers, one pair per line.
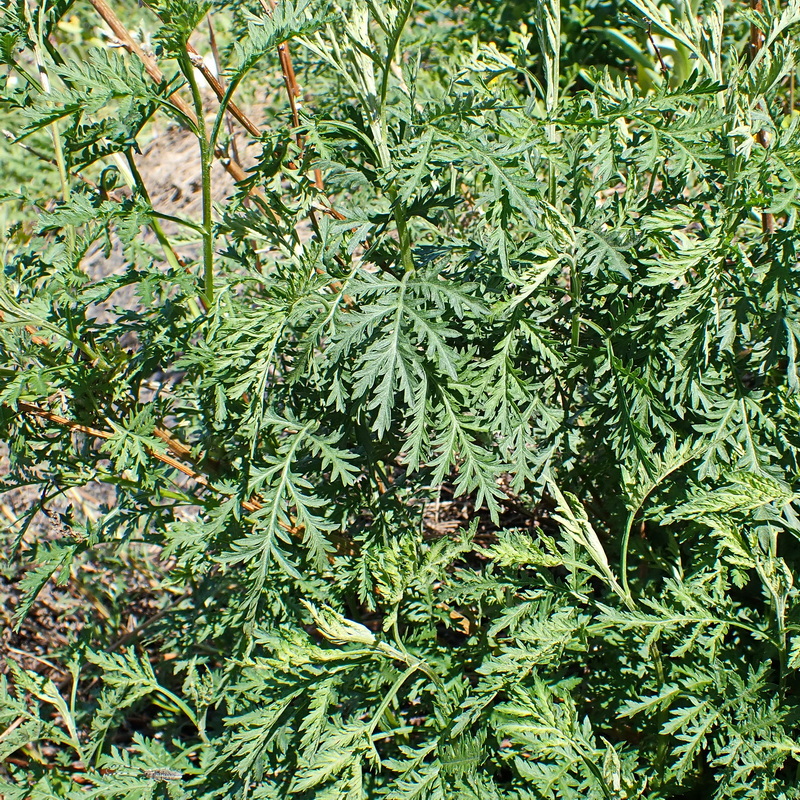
289, 78
37, 340
756, 36
219, 91
664, 68
28, 408
292, 88
152, 69
175, 445
231, 165
128, 42
121, 32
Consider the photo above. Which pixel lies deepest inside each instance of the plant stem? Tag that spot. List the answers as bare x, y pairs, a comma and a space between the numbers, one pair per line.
58, 149
62, 175
406, 257
391, 50
756, 43
575, 295
548, 17
623, 561
390, 695
173, 698
155, 225
206, 155
149, 63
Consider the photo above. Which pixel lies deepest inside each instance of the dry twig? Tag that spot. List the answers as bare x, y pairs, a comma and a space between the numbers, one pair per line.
28, 408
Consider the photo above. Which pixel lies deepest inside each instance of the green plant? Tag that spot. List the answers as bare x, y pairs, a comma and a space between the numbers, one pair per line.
476, 475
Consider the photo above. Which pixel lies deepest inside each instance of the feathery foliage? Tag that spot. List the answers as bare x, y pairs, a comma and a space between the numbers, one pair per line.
531, 266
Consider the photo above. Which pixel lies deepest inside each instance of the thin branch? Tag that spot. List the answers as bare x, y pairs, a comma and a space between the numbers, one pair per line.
219, 91
165, 436
130, 44
120, 31
292, 90
212, 40
231, 165
662, 64
29, 408
289, 78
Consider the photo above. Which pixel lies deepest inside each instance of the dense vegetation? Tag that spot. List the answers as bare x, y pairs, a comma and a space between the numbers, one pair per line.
459, 440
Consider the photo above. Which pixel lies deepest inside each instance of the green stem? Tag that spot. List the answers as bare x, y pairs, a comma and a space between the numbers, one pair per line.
186, 223
575, 295
173, 698
223, 108
390, 695
406, 256
623, 562
208, 234
62, 176
663, 741
206, 155
28, 77
391, 50
548, 13
163, 239
89, 352
61, 163
380, 127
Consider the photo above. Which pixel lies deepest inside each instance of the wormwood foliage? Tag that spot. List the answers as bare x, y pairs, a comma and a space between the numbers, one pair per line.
464, 430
